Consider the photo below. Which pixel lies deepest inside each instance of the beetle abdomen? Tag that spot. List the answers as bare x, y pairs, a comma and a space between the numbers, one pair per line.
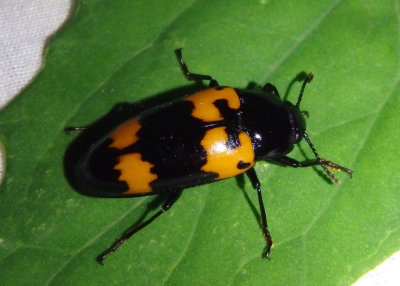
190, 142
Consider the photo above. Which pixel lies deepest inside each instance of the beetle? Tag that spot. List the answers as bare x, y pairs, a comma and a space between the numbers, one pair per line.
216, 133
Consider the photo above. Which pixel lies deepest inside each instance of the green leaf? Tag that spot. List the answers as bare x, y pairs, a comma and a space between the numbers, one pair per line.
117, 51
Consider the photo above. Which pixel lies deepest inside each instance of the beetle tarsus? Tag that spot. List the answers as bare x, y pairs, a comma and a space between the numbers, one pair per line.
328, 164
268, 240
193, 76
100, 258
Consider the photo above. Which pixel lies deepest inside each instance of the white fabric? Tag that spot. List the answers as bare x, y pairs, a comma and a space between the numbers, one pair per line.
25, 25
386, 274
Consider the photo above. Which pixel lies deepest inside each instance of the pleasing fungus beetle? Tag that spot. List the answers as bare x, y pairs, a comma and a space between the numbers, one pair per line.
213, 134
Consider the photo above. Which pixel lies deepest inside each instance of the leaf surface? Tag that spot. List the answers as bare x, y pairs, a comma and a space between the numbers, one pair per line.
122, 51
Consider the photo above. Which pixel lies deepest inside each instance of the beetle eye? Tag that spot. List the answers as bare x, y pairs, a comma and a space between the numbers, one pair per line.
297, 122
296, 136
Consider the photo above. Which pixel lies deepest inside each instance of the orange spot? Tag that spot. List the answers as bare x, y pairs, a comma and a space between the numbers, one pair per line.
204, 107
223, 160
125, 135
136, 173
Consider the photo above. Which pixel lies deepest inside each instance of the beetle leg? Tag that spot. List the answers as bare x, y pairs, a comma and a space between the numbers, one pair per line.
174, 196
251, 173
287, 161
269, 88
193, 76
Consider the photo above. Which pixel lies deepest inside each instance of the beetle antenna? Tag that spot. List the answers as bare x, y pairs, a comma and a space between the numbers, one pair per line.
325, 164
308, 79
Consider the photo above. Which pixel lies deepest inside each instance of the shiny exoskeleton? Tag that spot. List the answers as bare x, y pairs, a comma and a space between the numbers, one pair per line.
213, 134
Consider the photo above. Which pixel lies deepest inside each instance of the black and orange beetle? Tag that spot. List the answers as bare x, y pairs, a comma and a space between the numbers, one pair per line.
213, 134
